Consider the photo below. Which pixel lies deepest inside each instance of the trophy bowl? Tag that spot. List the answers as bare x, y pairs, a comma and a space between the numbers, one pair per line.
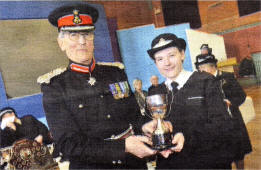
157, 105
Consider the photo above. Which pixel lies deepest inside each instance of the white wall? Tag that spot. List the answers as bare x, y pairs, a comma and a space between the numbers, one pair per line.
196, 38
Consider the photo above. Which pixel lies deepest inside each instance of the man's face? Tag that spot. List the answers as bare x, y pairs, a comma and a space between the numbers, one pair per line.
154, 81
79, 46
207, 68
204, 51
169, 62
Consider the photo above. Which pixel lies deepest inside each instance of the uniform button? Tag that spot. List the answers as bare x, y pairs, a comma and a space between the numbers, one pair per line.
114, 162
101, 96
112, 136
108, 116
119, 161
80, 106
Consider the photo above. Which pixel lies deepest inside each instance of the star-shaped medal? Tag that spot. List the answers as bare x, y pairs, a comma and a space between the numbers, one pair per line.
92, 81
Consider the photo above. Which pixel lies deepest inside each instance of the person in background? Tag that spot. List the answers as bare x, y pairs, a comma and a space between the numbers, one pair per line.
140, 95
14, 128
89, 107
155, 88
247, 67
196, 109
154, 82
204, 49
234, 96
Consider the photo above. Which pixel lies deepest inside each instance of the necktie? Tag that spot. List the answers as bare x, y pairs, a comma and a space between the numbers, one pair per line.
174, 87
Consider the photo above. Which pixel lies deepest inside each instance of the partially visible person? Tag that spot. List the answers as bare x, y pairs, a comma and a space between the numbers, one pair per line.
196, 109
14, 128
140, 95
204, 49
155, 88
247, 67
234, 96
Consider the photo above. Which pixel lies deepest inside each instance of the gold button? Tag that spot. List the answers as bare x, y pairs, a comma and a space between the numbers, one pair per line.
119, 161
113, 162
108, 116
80, 106
101, 96
112, 136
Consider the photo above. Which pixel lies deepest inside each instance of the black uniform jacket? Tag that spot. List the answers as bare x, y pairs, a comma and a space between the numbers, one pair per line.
236, 95
199, 112
82, 116
29, 129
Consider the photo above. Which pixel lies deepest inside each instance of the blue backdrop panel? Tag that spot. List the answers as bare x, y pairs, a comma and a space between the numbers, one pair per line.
3, 99
29, 105
13, 10
134, 44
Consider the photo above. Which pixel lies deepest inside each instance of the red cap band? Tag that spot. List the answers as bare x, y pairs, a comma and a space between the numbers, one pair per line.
69, 20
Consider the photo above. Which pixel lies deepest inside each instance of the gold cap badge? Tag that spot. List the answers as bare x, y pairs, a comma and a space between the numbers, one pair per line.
76, 19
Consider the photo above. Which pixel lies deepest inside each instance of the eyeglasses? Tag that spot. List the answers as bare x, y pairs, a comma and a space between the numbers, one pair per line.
75, 36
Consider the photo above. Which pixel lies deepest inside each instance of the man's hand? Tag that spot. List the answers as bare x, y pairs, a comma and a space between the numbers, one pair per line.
179, 140
11, 125
228, 102
135, 145
151, 126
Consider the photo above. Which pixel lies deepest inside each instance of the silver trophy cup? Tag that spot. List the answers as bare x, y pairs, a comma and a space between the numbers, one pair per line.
157, 105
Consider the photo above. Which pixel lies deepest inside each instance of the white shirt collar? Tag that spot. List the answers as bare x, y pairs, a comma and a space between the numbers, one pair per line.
181, 79
216, 73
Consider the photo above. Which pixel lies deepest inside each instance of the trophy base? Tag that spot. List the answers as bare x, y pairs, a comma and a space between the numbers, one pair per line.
161, 141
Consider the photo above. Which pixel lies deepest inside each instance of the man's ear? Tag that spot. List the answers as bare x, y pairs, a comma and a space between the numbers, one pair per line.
61, 43
182, 55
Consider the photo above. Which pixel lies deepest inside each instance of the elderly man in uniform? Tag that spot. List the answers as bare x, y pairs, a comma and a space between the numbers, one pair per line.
234, 96
90, 109
155, 88
197, 110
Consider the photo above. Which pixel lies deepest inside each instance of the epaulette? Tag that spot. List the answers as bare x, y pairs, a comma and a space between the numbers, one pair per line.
47, 77
115, 64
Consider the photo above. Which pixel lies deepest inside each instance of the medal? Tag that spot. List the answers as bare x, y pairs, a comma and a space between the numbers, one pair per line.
92, 81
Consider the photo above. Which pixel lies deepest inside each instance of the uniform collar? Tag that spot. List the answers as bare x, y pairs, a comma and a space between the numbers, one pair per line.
81, 68
181, 79
216, 73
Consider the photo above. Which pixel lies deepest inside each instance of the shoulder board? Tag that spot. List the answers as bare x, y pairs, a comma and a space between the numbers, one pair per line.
47, 77
115, 64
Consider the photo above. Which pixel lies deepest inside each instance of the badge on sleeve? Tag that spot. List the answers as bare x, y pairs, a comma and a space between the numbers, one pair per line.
120, 90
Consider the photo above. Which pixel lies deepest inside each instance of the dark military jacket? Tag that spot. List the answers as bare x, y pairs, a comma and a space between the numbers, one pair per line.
83, 117
199, 112
236, 95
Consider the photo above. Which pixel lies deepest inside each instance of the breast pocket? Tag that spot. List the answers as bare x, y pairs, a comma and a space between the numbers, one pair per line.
195, 100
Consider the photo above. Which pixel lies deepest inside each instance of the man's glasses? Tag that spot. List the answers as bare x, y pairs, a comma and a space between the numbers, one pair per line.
75, 36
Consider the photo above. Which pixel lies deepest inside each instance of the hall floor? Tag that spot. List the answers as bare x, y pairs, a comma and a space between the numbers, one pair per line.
253, 160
